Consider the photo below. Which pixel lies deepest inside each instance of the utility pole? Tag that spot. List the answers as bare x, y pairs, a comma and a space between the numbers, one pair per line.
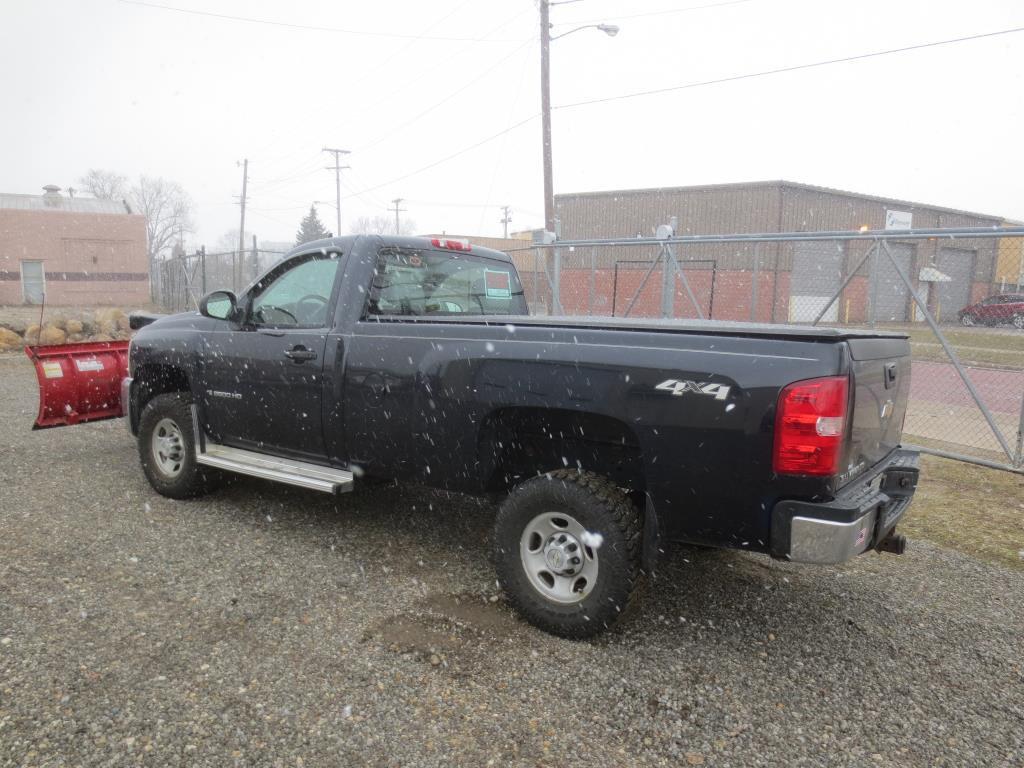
545, 97
337, 168
397, 201
241, 225
545, 109
506, 218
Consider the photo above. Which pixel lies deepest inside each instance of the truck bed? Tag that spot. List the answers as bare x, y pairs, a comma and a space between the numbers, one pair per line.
654, 325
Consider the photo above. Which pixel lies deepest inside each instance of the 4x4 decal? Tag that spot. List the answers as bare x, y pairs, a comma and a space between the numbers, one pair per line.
678, 387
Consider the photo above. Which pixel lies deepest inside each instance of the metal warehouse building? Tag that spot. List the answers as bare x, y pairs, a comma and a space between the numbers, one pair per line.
78, 250
794, 279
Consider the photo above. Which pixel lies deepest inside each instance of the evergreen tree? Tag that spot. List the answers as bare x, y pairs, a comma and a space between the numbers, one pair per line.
311, 228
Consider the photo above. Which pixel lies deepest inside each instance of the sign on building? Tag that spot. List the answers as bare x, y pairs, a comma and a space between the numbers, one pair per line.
898, 220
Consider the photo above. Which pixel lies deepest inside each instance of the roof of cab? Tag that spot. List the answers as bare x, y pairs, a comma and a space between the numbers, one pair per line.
402, 241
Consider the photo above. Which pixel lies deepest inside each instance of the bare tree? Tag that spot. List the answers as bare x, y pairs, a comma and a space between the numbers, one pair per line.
168, 211
381, 225
229, 241
106, 185
167, 207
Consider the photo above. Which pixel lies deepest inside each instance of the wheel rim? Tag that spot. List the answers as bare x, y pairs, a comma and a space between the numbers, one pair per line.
556, 558
967, 320
168, 447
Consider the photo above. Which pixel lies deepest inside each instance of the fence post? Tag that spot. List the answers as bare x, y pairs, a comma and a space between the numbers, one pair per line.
556, 289
593, 282
873, 279
668, 277
255, 260
202, 263
1019, 459
753, 282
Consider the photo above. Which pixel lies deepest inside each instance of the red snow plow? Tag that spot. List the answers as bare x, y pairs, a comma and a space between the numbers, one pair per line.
79, 382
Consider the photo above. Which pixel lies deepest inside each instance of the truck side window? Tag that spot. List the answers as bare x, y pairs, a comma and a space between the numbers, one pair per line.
298, 294
434, 282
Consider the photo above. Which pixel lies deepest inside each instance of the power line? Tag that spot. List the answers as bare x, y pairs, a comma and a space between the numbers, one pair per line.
652, 92
445, 159
500, 154
395, 129
664, 12
312, 27
423, 72
781, 70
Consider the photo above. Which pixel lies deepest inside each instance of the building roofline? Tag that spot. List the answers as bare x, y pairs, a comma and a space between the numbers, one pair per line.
77, 205
782, 183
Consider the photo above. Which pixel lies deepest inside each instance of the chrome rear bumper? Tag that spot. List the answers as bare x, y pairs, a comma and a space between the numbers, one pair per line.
860, 517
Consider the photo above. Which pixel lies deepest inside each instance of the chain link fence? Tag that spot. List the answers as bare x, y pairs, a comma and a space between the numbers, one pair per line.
958, 293
182, 280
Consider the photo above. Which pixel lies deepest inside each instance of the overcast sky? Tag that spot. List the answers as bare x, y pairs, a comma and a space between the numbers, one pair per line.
411, 86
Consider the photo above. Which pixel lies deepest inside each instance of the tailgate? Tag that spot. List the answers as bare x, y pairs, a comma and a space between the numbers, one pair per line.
881, 387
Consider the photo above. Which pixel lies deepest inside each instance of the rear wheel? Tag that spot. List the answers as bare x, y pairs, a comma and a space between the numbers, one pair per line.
1018, 322
167, 448
567, 552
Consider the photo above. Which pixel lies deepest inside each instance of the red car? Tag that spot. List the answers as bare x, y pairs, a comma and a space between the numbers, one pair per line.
995, 310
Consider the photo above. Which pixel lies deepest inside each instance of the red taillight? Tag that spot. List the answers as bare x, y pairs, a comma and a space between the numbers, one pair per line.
451, 244
810, 425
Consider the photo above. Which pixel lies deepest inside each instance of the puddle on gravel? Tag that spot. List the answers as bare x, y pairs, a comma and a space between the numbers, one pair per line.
447, 630
476, 612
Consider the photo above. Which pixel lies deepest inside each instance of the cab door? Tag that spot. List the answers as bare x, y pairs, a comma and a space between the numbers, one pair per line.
263, 376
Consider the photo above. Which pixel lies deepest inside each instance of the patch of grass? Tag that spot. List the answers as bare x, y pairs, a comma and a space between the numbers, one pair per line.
971, 509
997, 358
1009, 339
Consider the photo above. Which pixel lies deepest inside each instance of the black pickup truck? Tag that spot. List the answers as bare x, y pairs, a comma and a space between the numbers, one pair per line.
414, 359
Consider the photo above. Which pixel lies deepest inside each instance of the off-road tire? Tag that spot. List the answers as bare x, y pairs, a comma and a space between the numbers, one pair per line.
601, 508
191, 479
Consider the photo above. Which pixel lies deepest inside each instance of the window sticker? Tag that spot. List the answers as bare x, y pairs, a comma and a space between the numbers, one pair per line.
497, 284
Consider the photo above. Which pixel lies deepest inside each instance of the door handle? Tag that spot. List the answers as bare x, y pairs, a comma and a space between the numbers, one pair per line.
299, 354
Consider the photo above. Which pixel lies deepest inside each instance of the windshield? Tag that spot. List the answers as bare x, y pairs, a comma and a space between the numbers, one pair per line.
429, 282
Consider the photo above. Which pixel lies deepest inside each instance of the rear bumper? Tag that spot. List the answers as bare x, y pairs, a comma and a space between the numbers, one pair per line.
127, 405
861, 516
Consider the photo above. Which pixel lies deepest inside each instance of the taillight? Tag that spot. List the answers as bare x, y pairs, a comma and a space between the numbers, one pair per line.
451, 244
810, 425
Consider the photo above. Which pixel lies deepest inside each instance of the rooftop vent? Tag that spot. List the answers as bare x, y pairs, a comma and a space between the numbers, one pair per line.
51, 194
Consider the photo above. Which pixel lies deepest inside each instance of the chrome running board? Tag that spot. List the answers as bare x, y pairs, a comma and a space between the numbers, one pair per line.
288, 471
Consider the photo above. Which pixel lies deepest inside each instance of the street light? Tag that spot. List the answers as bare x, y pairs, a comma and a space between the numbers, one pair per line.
545, 101
609, 29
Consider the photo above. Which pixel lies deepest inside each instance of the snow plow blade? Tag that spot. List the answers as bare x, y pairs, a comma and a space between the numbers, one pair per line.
79, 382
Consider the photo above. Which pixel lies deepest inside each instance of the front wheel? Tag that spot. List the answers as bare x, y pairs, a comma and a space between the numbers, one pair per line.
968, 320
567, 552
1018, 322
167, 448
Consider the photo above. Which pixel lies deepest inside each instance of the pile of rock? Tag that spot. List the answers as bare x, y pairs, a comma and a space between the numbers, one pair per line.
105, 324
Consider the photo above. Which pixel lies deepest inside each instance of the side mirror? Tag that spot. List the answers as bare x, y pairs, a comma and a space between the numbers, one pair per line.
220, 305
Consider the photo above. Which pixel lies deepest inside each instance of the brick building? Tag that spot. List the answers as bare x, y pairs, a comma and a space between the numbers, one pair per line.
80, 251
795, 280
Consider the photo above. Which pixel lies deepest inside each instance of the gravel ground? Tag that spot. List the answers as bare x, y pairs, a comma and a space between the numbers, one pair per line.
269, 626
